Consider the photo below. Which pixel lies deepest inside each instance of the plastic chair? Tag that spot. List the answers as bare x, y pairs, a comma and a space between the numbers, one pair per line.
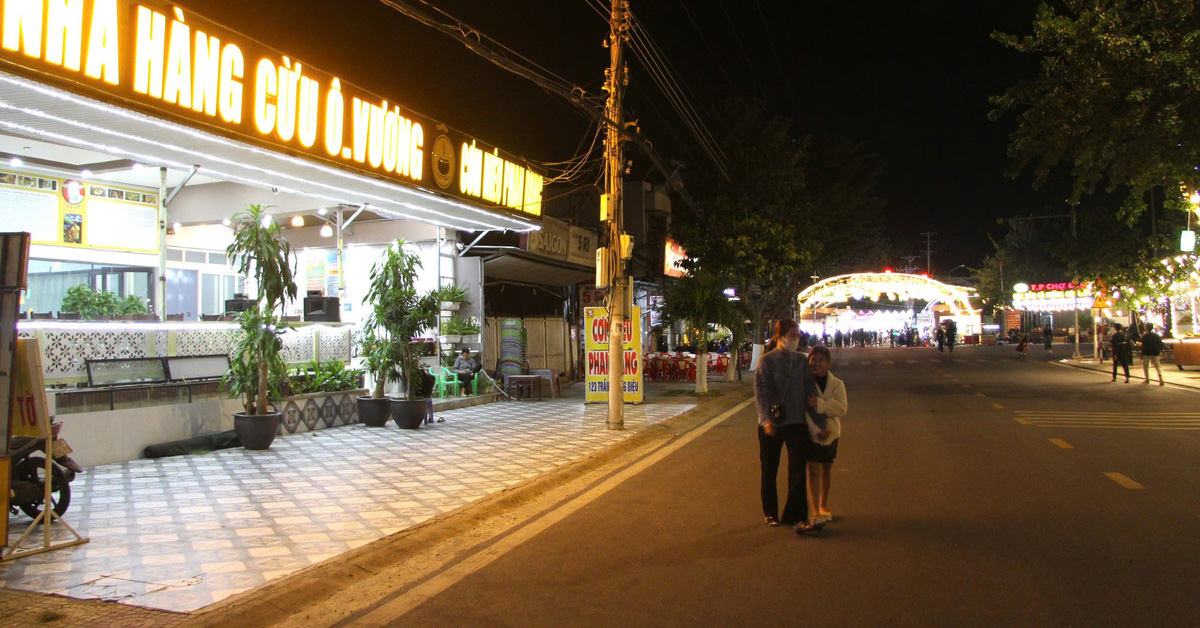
445, 378
722, 366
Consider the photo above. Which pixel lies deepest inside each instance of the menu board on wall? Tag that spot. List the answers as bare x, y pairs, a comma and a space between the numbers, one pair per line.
114, 225
69, 212
22, 210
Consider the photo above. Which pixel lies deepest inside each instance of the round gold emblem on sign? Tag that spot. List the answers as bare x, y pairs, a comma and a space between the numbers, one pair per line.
443, 161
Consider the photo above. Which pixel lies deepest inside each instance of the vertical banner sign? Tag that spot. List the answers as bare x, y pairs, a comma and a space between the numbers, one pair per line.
27, 413
595, 324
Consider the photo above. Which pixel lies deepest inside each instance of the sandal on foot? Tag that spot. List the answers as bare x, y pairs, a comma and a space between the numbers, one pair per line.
771, 521
803, 527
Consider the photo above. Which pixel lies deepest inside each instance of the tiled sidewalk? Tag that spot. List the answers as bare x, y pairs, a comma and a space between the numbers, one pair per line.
182, 533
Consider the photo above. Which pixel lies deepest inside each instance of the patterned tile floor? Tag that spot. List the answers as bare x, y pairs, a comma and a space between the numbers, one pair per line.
182, 533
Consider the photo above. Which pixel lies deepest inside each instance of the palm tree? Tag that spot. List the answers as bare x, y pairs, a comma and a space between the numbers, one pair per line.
698, 299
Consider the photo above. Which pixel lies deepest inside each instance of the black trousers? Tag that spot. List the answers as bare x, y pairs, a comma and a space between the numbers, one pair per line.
1123, 362
770, 449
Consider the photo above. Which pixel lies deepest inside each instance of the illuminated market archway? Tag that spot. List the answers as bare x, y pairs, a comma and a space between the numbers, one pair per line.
943, 300
897, 286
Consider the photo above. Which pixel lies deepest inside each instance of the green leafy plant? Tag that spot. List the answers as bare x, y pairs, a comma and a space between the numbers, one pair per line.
454, 294
92, 304
459, 326
324, 377
257, 351
260, 251
398, 314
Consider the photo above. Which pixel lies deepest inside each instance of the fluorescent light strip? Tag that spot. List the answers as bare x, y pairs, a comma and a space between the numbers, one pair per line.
205, 137
115, 151
179, 165
199, 135
122, 326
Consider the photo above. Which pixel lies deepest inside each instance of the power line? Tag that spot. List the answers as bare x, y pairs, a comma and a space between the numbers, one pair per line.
661, 72
589, 104
704, 40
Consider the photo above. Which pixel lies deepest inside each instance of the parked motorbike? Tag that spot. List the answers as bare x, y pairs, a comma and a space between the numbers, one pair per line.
28, 474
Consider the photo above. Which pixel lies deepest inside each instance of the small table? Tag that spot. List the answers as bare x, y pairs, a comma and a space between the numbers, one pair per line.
523, 386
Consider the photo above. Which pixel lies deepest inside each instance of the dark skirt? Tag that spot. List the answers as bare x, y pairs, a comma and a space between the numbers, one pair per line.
823, 453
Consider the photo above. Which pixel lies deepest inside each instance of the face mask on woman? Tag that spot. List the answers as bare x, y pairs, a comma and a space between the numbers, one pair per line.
791, 344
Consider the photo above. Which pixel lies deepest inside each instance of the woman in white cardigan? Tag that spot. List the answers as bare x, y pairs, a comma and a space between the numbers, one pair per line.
830, 401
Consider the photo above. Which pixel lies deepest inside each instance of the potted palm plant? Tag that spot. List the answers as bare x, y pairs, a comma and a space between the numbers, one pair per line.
256, 368
398, 314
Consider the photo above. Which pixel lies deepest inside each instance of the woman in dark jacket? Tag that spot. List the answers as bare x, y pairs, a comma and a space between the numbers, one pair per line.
783, 376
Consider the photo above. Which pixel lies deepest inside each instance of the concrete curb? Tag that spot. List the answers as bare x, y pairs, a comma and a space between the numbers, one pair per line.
1172, 376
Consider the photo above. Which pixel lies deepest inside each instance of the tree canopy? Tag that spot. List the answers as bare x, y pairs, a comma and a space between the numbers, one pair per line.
789, 205
1116, 99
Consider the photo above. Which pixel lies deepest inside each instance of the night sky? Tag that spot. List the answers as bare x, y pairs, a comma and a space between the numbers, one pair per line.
911, 78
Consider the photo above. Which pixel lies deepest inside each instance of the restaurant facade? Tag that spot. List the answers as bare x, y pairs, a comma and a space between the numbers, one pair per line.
130, 132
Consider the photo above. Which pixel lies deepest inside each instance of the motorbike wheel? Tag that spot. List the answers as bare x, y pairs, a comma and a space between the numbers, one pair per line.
33, 469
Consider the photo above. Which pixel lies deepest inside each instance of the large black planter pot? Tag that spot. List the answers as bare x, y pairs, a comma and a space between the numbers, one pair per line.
373, 412
410, 414
256, 431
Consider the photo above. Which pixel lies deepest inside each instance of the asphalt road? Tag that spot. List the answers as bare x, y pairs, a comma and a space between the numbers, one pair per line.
977, 488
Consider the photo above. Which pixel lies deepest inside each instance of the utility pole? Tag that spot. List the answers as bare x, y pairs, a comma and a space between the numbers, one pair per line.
615, 201
929, 251
908, 261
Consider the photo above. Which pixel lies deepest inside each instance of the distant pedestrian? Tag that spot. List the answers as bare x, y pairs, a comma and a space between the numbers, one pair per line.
1152, 346
941, 338
784, 381
1023, 345
1122, 351
1048, 338
830, 401
951, 334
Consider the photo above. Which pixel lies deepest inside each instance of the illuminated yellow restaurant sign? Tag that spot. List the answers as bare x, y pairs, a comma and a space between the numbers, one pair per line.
153, 56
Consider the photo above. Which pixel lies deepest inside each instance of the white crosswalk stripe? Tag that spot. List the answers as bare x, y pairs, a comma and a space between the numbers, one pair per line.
1113, 420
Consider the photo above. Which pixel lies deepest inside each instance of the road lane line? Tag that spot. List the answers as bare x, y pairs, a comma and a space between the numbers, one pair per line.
997, 406
1062, 444
392, 609
978, 394
1023, 421
966, 385
1123, 480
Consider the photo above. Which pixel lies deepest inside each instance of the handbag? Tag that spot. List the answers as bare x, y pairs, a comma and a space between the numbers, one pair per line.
775, 410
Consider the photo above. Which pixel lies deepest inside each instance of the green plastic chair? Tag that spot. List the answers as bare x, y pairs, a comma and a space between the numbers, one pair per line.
445, 379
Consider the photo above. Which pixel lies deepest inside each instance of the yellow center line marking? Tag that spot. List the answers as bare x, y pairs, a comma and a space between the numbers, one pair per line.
997, 406
966, 385
978, 394
1062, 444
1024, 421
1123, 480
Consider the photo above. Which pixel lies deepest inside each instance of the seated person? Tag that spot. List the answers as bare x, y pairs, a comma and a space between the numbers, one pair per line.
466, 368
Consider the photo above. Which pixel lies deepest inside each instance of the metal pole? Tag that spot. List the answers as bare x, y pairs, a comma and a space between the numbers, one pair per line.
1074, 236
160, 290
615, 166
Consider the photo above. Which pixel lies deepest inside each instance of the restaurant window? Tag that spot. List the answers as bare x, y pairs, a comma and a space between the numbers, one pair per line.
49, 281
